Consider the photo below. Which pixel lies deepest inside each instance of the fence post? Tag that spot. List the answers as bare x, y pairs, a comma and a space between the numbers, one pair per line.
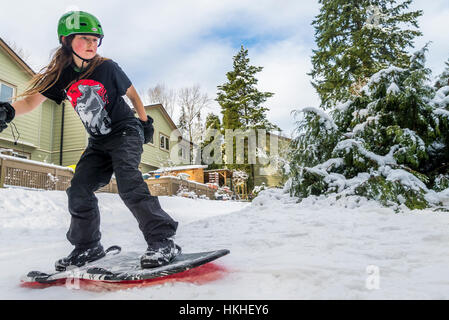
55, 178
2, 173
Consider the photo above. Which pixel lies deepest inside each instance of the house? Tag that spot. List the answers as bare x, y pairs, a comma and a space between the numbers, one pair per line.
37, 139
157, 154
270, 174
54, 133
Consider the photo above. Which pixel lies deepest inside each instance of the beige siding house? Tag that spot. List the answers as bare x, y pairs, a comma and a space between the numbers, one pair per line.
157, 154
51, 128
271, 174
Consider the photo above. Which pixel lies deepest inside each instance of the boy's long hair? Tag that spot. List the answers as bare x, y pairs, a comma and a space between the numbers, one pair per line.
50, 74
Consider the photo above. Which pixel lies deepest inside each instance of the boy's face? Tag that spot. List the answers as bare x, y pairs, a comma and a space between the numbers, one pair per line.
85, 45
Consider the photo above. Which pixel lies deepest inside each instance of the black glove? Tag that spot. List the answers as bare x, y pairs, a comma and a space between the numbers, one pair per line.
7, 113
148, 129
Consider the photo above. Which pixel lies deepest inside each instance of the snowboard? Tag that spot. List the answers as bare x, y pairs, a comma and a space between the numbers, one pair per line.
122, 270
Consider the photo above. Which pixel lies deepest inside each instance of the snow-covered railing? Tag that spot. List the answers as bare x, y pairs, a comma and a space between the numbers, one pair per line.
168, 186
17, 172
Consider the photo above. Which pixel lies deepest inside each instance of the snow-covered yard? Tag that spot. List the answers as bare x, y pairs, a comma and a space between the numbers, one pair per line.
318, 249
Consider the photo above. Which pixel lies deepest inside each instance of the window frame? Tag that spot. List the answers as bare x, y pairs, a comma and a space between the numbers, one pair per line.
167, 141
13, 87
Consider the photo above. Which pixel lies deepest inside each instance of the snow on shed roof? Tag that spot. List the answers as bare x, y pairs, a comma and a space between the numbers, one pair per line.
189, 167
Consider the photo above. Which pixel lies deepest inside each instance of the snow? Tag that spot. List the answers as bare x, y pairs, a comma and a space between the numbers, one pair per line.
361, 113
189, 167
320, 248
375, 78
441, 98
328, 122
393, 88
348, 144
342, 107
378, 76
404, 177
47, 165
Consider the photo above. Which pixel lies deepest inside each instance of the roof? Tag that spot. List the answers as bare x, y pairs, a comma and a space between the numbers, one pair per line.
180, 168
279, 136
164, 112
14, 56
168, 118
216, 170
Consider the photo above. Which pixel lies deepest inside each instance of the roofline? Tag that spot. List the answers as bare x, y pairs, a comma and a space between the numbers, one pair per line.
279, 136
165, 114
16, 57
167, 117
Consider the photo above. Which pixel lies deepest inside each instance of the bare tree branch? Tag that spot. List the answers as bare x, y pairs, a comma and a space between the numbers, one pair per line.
161, 94
192, 102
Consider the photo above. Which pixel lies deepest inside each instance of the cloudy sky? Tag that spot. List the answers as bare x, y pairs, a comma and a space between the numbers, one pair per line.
182, 43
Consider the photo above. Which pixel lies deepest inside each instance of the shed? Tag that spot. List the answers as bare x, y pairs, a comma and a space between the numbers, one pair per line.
222, 177
195, 172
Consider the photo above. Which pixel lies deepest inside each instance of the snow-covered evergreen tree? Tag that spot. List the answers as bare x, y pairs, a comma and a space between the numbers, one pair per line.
182, 122
386, 143
212, 121
357, 38
440, 148
443, 78
241, 102
242, 105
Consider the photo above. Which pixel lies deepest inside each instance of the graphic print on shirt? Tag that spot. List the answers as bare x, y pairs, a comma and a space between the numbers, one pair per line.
88, 98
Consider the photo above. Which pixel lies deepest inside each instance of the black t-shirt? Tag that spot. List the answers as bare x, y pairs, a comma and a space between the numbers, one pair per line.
97, 99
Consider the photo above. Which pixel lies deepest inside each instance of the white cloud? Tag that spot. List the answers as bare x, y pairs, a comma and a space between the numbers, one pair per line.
181, 43
286, 64
434, 25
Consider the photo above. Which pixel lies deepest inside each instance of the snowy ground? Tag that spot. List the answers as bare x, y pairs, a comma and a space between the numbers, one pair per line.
319, 249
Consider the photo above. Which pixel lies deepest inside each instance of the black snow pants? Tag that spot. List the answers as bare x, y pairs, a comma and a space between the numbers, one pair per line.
119, 154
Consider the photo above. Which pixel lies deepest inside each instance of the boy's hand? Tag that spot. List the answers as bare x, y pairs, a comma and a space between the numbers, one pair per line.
148, 129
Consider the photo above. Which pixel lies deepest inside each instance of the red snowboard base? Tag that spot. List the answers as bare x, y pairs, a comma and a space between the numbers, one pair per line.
199, 275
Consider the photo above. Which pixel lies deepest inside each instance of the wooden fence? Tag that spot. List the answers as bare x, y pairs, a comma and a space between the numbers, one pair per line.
15, 172
168, 186
172, 185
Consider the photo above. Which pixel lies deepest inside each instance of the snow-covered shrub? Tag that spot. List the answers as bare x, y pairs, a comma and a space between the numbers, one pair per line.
258, 189
223, 193
184, 192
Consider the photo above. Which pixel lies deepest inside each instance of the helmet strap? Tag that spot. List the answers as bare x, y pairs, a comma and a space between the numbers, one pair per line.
76, 54
84, 60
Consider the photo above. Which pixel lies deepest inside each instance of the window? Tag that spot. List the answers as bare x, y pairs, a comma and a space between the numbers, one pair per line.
17, 154
183, 153
165, 145
6, 92
22, 155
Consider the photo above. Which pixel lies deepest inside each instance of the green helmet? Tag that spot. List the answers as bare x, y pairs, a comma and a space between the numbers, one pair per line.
79, 22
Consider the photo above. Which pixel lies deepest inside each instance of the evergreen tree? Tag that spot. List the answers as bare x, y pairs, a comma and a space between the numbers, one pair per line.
443, 78
439, 150
212, 121
242, 104
355, 39
383, 144
182, 123
239, 98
